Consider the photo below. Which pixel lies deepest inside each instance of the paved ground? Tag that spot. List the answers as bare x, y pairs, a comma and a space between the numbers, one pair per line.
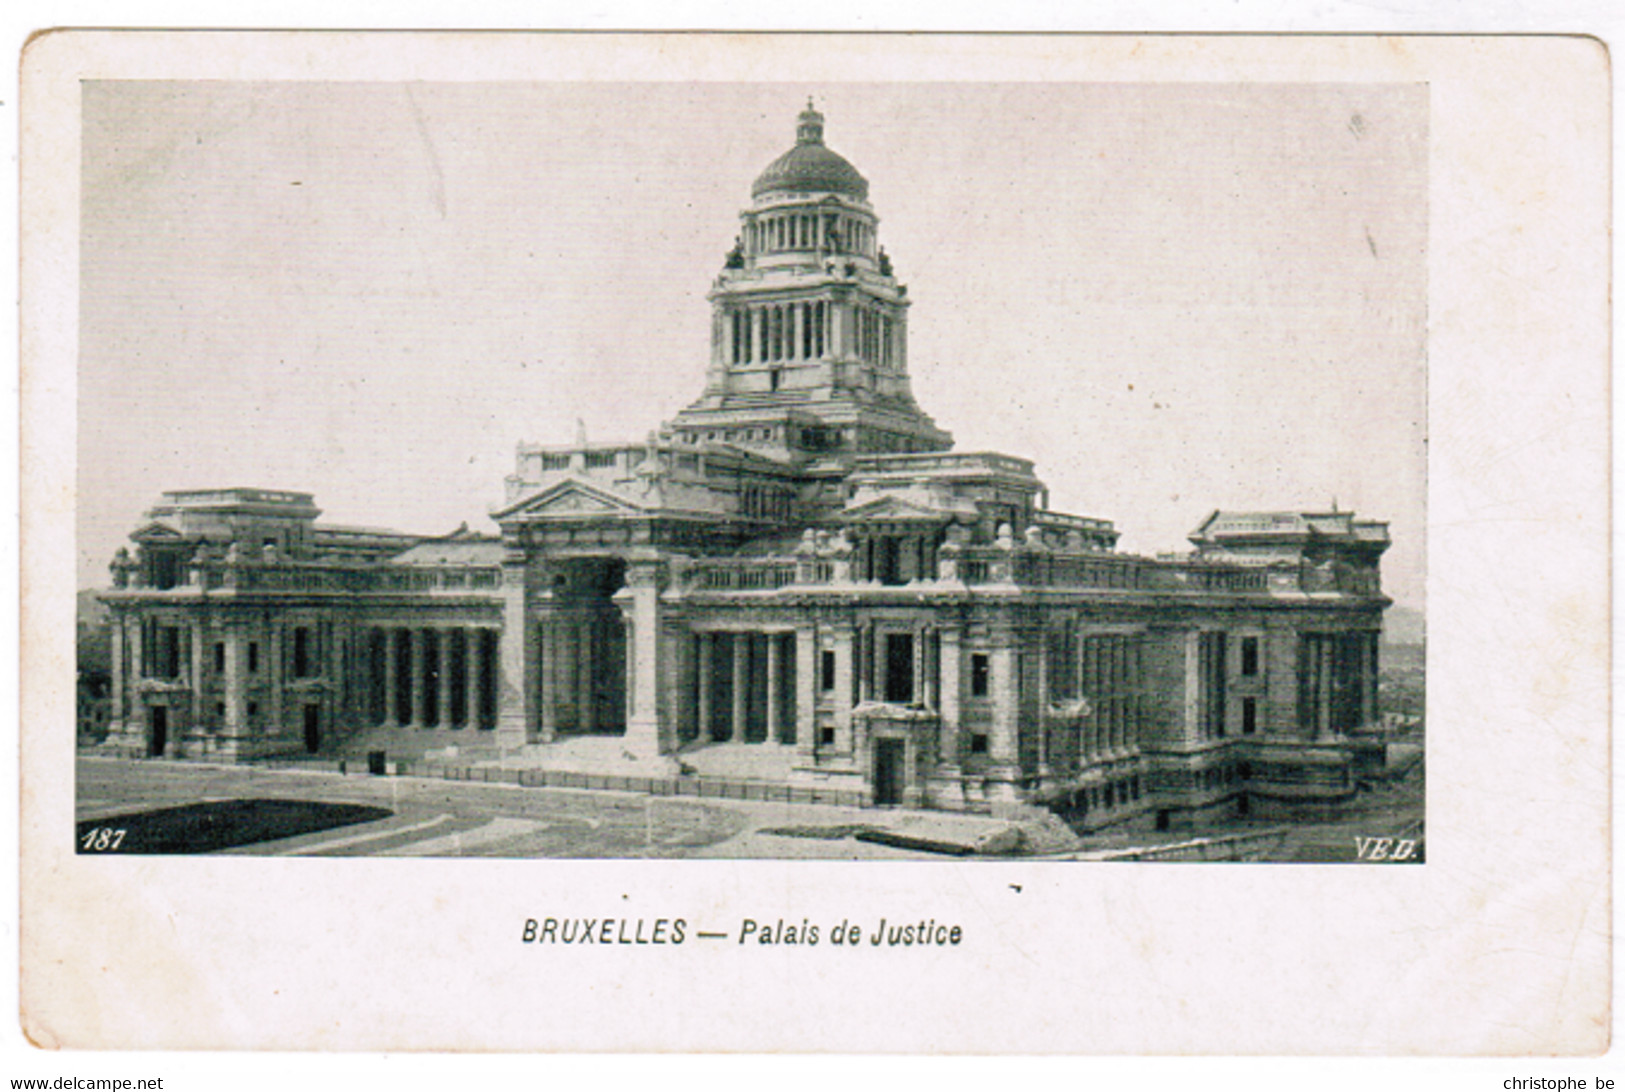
432, 817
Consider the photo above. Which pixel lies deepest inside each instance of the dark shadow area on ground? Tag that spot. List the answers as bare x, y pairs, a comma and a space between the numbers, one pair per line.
215, 825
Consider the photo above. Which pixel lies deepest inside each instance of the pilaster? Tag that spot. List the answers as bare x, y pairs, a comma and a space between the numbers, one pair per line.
234, 735
647, 735
275, 665
947, 789
513, 699
1004, 690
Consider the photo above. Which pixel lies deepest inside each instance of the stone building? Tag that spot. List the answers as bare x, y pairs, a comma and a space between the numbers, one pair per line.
797, 577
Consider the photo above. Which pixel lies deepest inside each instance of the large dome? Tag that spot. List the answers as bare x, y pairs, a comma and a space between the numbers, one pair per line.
810, 167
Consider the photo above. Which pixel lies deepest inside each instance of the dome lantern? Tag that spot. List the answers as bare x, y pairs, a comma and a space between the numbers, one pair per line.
810, 126
810, 166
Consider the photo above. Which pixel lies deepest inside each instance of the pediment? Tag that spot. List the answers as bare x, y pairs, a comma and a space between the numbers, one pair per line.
157, 533
886, 509
573, 498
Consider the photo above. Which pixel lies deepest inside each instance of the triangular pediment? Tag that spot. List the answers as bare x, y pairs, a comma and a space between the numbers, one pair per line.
157, 532
570, 499
885, 509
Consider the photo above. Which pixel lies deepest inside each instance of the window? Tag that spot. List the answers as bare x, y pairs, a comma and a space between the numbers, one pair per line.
253, 710
1249, 655
1249, 715
219, 658
826, 669
826, 736
220, 710
301, 653
978, 674
978, 743
161, 651
253, 657
900, 668
166, 570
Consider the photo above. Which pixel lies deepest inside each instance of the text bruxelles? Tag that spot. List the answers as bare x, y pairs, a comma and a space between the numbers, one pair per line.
605, 931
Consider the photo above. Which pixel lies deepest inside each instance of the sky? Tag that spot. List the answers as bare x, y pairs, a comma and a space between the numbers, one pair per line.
1174, 297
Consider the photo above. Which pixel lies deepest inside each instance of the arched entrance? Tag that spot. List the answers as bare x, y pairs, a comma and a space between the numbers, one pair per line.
582, 669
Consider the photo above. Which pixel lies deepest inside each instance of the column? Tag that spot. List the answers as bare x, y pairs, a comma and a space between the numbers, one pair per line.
1114, 718
563, 678
473, 668
1137, 690
414, 674
1088, 687
774, 669
138, 661
194, 670
115, 712
629, 654
392, 705
1323, 683
1368, 683
703, 671
547, 671
741, 646
442, 690
584, 680
1041, 720
864, 664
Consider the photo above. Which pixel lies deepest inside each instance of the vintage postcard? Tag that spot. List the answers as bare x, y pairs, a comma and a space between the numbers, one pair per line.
906, 527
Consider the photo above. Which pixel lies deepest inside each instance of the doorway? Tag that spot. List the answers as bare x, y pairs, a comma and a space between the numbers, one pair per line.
158, 730
888, 772
313, 728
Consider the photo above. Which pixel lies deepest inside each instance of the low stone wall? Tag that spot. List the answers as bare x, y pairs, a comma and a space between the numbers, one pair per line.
714, 788
1224, 847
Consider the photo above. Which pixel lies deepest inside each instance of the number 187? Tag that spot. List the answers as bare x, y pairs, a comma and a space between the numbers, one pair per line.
102, 839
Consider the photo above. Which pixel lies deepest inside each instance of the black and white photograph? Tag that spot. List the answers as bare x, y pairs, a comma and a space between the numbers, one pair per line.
819, 517
1024, 484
